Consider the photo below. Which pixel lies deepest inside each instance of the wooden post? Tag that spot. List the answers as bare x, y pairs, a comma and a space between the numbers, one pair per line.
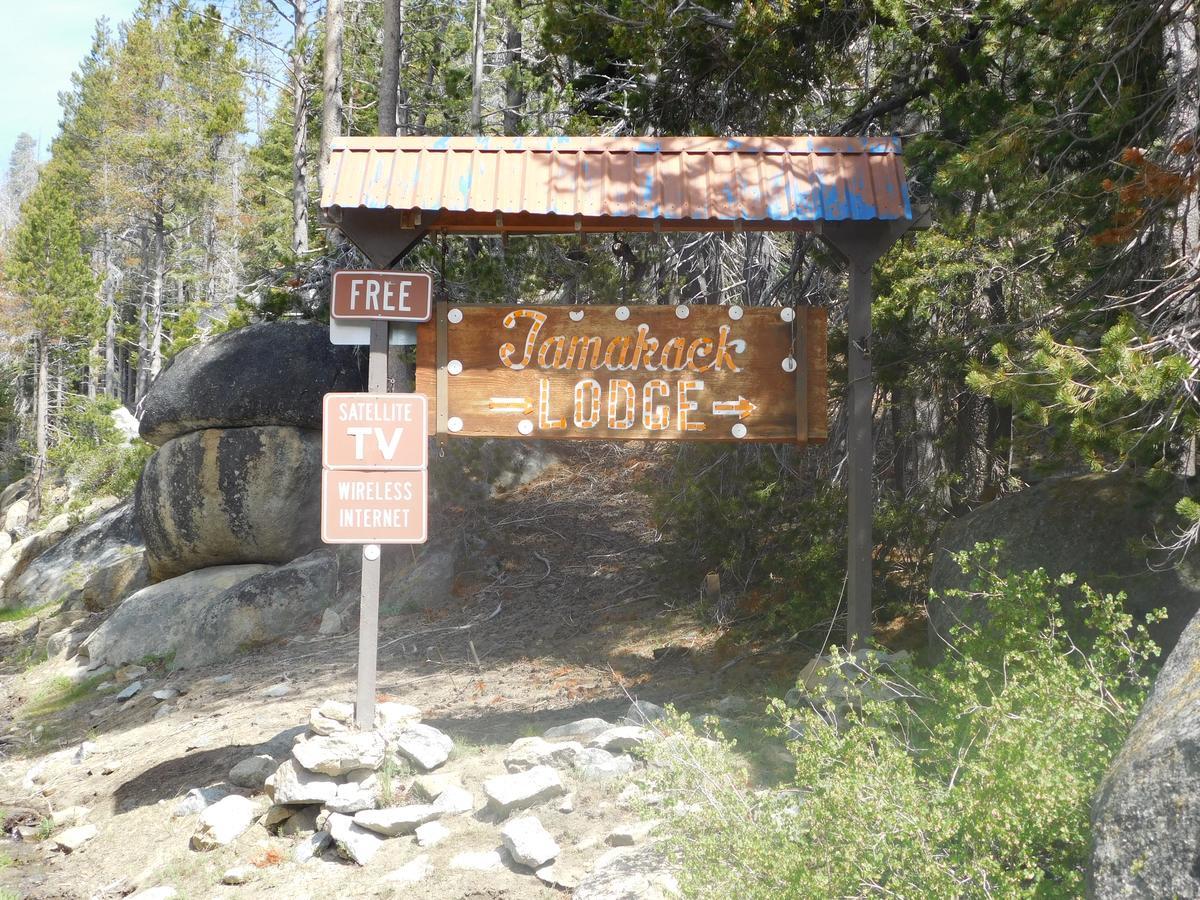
368, 611
859, 453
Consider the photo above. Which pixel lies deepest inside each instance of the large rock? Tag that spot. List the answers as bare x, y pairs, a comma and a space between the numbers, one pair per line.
98, 564
17, 558
338, 754
1098, 526
272, 373
214, 614
1146, 816
240, 495
426, 582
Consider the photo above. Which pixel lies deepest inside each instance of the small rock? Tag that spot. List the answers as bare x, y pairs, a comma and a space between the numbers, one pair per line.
277, 690
131, 673
582, 729
454, 801
331, 623
197, 799
68, 816
560, 876
431, 834
353, 841
528, 842
72, 839
526, 753
277, 813
507, 793
311, 846
236, 875
252, 772
223, 679
129, 692
424, 745
477, 861
86, 749
600, 765
431, 786
416, 869
223, 822
163, 694
362, 790
337, 754
732, 705
104, 686
628, 835
163, 711
294, 784
109, 767
567, 805
622, 873
391, 716
622, 738
642, 712
301, 823
331, 717
396, 820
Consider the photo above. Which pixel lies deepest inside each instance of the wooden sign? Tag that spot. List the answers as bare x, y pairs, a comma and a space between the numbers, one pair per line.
395, 296
374, 431
374, 507
696, 373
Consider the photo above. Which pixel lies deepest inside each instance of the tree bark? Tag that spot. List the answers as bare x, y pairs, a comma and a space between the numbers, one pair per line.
480, 35
514, 86
299, 131
41, 427
389, 72
331, 85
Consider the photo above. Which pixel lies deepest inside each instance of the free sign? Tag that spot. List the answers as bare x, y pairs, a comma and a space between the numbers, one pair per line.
394, 296
374, 488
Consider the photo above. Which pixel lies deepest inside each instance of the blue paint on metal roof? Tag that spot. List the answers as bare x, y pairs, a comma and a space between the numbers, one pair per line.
442, 143
649, 147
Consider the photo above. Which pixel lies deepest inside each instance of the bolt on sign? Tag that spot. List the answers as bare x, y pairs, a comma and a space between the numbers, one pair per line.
374, 488
695, 373
394, 296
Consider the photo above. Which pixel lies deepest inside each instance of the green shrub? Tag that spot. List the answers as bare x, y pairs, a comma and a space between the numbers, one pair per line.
91, 450
978, 784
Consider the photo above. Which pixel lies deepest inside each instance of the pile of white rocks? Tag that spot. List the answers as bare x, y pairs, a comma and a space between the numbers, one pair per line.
348, 791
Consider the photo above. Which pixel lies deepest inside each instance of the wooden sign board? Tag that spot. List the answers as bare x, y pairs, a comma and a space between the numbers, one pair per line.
695, 373
395, 296
374, 431
374, 507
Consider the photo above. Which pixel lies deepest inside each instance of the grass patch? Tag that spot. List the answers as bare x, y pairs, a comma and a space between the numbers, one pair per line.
25, 612
57, 695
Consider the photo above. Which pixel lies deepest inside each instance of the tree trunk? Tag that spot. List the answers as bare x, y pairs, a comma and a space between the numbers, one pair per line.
514, 86
480, 35
389, 72
152, 317
299, 131
41, 427
331, 85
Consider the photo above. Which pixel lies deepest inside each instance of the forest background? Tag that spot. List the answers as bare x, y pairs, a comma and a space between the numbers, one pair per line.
1048, 322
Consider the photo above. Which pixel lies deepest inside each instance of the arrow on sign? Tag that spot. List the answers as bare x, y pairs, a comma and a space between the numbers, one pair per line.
741, 407
510, 405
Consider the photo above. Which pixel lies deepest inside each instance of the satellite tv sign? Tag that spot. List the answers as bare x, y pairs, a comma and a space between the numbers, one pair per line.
374, 450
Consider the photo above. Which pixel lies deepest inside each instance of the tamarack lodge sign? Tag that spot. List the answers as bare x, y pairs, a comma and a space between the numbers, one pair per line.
694, 373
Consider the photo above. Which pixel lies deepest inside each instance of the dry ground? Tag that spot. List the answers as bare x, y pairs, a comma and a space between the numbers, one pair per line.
560, 614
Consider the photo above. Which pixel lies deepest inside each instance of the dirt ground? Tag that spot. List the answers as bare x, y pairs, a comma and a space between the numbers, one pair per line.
560, 613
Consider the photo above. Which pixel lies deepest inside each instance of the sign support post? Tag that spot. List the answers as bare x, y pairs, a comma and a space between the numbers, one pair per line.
368, 612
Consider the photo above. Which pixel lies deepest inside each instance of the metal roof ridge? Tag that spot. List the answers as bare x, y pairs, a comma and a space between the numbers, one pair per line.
790, 144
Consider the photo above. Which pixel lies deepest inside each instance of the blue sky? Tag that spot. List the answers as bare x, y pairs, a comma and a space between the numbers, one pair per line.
41, 44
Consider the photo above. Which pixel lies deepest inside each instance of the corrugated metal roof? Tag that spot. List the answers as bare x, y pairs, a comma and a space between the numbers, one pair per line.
489, 184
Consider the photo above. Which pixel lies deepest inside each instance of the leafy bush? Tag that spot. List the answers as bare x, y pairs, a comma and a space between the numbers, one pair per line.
91, 452
977, 784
